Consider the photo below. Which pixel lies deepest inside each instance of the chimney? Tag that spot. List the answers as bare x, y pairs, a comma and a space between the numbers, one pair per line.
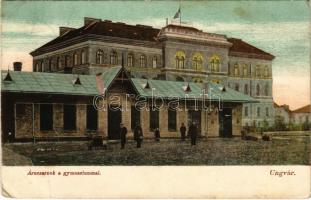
17, 66
63, 30
89, 20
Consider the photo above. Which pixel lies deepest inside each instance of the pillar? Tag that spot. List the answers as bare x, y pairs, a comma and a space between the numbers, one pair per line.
145, 120
163, 120
81, 119
103, 119
58, 117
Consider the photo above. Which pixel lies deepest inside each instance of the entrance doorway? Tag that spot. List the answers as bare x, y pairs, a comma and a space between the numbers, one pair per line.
195, 116
225, 122
114, 120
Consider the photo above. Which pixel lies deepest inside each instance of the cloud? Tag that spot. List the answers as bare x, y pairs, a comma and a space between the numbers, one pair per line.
29, 28
296, 95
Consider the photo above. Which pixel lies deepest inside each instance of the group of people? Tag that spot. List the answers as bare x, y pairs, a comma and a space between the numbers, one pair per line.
138, 134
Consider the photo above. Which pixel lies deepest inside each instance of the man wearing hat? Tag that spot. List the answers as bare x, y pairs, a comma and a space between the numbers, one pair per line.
123, 132
138, 134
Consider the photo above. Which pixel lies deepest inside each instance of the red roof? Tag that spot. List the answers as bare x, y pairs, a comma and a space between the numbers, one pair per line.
145, 33
305, 109
183, 27
108, 28
239, 46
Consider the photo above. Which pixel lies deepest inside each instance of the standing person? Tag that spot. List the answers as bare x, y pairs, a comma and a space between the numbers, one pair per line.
157, 134
192, 132
138, 135
123, 132
183, 130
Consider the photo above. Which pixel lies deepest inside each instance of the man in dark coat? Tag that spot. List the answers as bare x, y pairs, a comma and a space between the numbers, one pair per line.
138, 135
157, 134
183, 130
123, 132
192, 132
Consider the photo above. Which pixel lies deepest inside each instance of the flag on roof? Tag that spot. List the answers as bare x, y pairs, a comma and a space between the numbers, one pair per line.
177, 14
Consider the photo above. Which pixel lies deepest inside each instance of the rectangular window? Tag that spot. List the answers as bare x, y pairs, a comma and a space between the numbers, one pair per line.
46, 117
91, 118
171, 120
267, 112
154, 119
246, 111
258, 111
135, 116
154, 62
69, 117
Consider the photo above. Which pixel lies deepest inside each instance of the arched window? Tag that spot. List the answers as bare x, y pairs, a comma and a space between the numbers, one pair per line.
236, 70
245, 70
197, 80
154, 62
246, 111
130, 59
266, 71
267, 112
75, 59
59, 63
258, 111
197, 61
42, 66
37, 67
180, 79
216, 81
180, 60
83, 57
113, 58
237, 87
214, 63
143, 61
99, 56
67, 61
258, 74
257, 90
266, 90
50, 65
246, 89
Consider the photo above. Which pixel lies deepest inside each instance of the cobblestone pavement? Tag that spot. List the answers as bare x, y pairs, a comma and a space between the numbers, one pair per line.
211, 151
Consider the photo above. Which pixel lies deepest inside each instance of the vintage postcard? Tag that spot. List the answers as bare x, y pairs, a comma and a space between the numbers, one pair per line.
155, 99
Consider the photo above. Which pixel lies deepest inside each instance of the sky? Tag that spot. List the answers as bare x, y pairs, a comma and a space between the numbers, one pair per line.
281, 28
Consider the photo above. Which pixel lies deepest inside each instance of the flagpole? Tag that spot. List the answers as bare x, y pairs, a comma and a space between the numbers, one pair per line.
179, 13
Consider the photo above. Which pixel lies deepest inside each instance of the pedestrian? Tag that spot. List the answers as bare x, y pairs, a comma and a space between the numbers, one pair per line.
138, 135
183, 130
157, 134
10, 136
192, 132
123, 132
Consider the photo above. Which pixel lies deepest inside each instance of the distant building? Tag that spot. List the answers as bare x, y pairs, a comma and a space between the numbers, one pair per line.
302, 115
175, 52
284, 112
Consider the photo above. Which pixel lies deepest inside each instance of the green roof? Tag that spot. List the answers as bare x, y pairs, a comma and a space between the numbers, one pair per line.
56, 83
174, 89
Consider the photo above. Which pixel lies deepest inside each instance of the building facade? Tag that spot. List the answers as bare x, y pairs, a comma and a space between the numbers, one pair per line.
302, 115
62, 106
174, 52
284, 112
